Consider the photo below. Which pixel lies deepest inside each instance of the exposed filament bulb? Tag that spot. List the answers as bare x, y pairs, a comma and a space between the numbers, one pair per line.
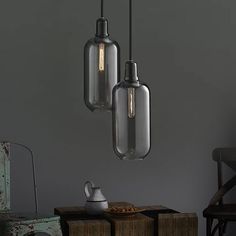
131, 102
101, 57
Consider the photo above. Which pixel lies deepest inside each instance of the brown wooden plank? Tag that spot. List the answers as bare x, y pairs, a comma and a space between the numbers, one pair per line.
89, 228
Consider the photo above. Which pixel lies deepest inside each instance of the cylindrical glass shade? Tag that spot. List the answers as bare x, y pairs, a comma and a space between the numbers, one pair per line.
131, 117
101, 69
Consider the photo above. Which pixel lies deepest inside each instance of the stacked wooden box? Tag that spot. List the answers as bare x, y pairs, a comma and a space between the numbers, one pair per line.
177, 224
89, 227
154, 221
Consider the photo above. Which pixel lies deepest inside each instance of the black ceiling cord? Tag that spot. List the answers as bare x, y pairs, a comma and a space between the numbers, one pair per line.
102, 8
130, 30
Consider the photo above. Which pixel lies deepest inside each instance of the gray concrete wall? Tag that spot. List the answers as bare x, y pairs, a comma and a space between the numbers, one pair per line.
186, 53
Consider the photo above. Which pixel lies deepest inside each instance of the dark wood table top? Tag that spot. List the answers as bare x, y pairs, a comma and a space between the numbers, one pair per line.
80, 211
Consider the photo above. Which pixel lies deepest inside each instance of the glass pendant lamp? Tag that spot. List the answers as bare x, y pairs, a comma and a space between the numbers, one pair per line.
101, 67
131, 112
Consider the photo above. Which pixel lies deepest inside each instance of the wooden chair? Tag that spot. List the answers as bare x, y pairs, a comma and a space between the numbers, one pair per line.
217, 210
14, 224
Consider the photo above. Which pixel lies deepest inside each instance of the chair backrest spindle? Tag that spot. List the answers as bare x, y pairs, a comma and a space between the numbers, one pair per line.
4, 177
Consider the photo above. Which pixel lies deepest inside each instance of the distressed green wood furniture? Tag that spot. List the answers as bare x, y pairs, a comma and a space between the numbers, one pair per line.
17, 224
217, 210
12, 224
154, 221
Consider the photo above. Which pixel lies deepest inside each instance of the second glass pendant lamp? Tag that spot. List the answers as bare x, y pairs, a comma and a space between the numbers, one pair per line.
131, 112
101, 67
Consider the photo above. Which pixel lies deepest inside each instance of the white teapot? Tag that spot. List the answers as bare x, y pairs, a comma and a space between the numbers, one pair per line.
96, 202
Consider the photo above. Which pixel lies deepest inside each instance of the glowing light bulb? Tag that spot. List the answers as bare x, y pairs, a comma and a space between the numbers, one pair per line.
101, 57
131, 102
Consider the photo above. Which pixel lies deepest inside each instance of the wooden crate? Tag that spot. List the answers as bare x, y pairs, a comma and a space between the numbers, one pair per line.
177, 224
78, 213
139, 225
89, 228
154, 221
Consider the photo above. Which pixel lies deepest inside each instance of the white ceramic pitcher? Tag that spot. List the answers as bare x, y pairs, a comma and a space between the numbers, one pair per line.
96, 202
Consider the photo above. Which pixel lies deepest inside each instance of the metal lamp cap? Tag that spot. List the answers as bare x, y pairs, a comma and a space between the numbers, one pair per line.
102, 28
131, 71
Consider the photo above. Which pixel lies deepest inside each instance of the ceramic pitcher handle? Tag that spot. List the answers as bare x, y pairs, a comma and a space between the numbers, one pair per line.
86, 188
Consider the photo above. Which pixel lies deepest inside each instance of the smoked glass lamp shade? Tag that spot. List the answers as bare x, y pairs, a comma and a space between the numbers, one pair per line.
101, 68
131, 117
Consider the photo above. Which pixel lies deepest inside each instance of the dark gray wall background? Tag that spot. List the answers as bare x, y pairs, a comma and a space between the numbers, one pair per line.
186, 53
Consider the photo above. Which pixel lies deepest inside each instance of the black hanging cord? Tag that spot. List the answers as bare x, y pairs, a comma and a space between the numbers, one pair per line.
130, 30
102, 8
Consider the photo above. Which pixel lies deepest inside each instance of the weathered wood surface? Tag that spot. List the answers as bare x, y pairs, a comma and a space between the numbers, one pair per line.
139, 225
89, 228
177, 224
